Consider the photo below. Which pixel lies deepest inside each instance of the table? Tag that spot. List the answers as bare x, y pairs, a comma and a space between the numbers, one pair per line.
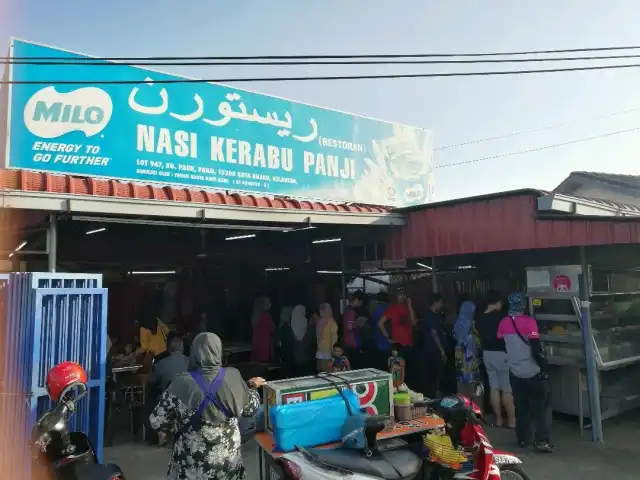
230, 349
114, 397
129, 369
417, 425
233, 348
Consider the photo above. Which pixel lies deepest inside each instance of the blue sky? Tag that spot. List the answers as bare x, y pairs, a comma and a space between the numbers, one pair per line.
456, 109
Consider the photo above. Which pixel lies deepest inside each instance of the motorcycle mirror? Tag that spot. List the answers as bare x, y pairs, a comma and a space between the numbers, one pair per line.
479, 390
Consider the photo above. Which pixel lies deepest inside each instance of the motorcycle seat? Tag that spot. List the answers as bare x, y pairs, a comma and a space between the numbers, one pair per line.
390, 463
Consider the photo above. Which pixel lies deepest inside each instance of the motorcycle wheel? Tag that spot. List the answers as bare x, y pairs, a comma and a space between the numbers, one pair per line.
512, 472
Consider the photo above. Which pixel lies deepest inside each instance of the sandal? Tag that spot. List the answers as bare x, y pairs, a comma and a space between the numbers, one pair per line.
544, 447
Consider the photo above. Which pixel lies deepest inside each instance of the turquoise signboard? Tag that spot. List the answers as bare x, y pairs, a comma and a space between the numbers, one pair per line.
203, 135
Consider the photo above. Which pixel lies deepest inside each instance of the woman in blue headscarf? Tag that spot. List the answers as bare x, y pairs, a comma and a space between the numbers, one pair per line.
467, 350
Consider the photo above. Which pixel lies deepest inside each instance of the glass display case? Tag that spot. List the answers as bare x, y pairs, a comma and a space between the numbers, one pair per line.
615, 321
559, 327
555, 295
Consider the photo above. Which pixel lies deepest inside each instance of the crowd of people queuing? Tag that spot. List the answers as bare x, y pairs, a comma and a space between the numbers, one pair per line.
203, 404
491, 340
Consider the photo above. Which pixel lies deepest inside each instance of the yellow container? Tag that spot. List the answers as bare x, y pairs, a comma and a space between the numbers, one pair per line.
440, 449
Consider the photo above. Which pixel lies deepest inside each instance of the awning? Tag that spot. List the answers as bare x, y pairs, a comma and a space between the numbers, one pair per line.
512, 221
26, 190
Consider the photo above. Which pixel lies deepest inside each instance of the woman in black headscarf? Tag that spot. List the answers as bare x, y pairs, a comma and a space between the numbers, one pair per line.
207, 440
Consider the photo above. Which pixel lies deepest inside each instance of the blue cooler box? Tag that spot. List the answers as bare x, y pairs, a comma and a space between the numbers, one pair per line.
312, 423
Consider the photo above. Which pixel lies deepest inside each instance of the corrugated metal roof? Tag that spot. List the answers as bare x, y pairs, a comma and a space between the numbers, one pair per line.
625, 180
66, 184
499, 223
476, 198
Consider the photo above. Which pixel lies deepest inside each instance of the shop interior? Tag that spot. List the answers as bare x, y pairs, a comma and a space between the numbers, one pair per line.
207, 275
217, 269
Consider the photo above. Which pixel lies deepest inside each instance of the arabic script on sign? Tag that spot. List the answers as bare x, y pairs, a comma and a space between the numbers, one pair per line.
226, 111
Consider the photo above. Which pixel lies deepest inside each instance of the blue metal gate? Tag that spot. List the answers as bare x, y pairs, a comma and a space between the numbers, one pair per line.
50, 318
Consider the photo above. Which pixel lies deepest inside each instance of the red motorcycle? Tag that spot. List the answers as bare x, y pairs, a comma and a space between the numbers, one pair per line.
462, 452
478, 460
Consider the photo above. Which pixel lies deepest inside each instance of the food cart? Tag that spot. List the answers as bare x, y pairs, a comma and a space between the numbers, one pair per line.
598, 310
373, 388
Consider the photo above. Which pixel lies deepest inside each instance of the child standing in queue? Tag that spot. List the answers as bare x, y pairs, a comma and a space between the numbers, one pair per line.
396, 365
339, 361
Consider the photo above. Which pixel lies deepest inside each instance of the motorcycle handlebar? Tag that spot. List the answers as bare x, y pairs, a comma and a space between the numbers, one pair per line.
475, 419
434, 405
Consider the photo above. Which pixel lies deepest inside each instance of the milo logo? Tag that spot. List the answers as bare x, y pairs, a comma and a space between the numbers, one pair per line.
51, 114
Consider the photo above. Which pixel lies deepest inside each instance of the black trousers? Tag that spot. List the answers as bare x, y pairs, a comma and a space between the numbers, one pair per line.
382, 360
432, 373
355, 356
144, 411
532, 397
411, 367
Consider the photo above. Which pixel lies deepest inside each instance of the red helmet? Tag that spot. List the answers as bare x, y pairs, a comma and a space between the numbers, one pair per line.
63, 377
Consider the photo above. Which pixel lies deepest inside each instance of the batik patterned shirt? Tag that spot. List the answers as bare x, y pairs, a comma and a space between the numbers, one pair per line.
204, 451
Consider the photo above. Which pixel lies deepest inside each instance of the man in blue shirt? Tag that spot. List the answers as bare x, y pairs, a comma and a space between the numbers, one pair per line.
434, 346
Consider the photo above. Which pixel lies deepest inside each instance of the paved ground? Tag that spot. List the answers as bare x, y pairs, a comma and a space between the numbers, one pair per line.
617, 459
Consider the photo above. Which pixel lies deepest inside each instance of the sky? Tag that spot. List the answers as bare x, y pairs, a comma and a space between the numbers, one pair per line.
455, 109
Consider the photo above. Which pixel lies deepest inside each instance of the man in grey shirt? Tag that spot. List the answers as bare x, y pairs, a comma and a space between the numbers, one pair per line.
165, 369
171, 365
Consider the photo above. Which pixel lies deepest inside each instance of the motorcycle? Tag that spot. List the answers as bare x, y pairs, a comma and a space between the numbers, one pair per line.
395, 459
463, 425
65, 455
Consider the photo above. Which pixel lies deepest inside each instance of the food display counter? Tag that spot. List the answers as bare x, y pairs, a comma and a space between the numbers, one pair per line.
605, 319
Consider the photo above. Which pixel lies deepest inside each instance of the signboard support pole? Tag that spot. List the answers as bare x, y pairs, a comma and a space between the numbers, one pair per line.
589, 351
52, 242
